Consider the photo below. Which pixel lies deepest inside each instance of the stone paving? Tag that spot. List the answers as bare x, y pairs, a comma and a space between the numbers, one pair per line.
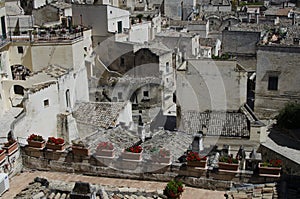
21, 181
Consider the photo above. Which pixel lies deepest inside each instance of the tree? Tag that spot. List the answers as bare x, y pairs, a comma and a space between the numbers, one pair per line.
289, 116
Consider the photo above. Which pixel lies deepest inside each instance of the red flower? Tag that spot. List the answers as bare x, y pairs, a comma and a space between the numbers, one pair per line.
134, 149
105, 145
194, 156
56, 141
34, 137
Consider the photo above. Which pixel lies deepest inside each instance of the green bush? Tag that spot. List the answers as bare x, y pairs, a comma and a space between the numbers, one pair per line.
289, 116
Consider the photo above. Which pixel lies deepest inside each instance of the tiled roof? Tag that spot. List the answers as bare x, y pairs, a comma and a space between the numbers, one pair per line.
217, 123
100, 114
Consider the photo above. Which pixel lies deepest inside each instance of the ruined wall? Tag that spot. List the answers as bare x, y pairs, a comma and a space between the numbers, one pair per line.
45, 14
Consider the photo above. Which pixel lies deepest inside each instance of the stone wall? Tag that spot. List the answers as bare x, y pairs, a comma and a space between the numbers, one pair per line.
90, 165
281, 62
239, 42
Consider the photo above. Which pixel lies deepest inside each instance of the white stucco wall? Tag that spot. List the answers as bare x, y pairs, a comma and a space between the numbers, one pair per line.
39, 119
140, 32
126, 114
39, 3
68, 12
45, 54
114, 15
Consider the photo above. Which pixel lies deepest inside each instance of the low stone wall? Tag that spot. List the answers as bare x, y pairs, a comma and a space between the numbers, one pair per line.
89, 165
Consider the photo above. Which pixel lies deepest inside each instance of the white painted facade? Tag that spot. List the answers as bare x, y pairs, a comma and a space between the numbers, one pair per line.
140, 32
125, 115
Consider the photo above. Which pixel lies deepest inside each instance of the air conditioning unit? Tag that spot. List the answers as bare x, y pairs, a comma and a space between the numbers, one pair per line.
4, 183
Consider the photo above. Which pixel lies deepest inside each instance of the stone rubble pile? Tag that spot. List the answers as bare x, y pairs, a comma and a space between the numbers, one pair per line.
44, 189
257, 191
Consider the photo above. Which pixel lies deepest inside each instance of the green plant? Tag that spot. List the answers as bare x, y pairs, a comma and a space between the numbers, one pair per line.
289, 116
272, 163
34, 137
173, 189
228, 159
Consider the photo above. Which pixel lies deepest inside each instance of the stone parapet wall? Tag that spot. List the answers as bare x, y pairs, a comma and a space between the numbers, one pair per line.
90, 165
290, 167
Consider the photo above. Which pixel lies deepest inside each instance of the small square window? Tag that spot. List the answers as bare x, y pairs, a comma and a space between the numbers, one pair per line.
20, 50
146, 93
46, 103
273, 83
110, 12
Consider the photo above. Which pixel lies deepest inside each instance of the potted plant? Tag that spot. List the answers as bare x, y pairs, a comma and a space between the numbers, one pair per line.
11, 146
36, 141
79, 148
105, 149
2, 155
228, 163
133, 153
55, 143
194, 160
272, 167
173, 189
162, 156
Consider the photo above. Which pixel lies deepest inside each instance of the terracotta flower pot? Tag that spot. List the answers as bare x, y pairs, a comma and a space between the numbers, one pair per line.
2, 156
228, 166
131, 156
201, 163
54, 147
36, 144
162, 160
268, 170
11, 148
105, 153
77, 150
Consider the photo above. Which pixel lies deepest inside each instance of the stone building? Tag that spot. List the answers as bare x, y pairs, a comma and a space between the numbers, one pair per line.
211, 85
110, 20
44, 78
277, 78
186, 43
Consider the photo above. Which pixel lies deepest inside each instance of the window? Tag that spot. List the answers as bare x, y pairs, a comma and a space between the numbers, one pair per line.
46, 103
146, 93
20, 50
122, 61
167, 67
273, 83
110, 12
120, 95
